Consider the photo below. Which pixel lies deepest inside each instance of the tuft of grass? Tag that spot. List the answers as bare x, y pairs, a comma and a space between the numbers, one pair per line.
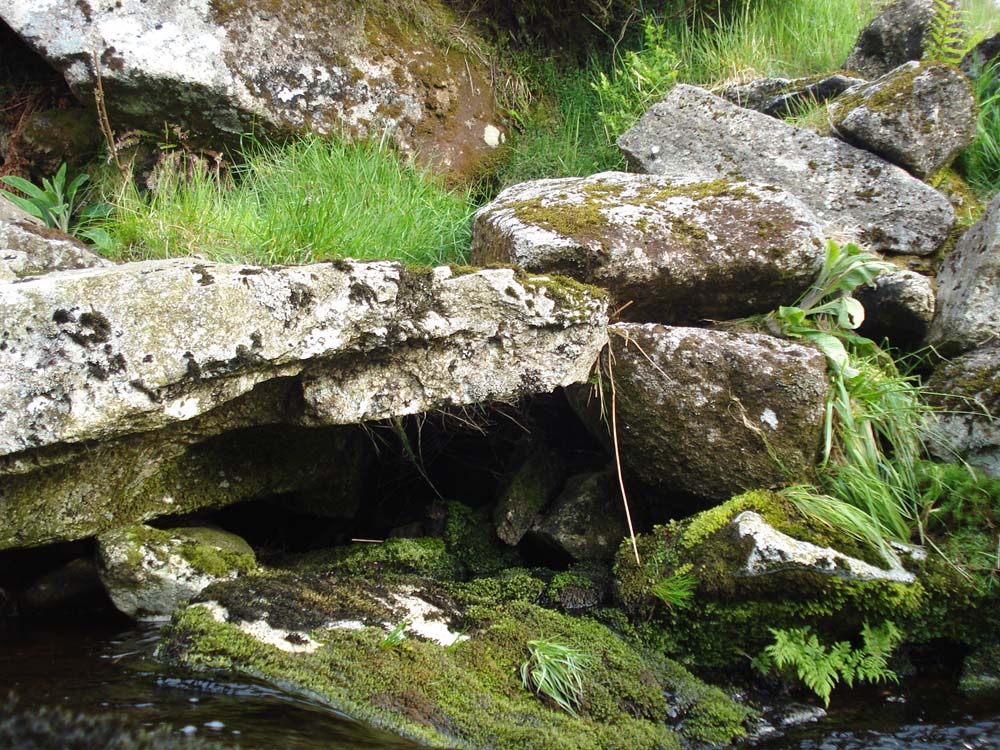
555, 670
558, 132
676, 590
980, 162
770, 38
310, 200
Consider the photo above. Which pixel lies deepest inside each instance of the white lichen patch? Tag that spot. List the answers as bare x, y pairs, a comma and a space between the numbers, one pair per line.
424, 619
774, 551
292, 641
493, 136
769, 418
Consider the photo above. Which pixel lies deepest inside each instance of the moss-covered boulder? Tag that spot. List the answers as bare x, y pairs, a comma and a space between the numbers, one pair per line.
670, 250
150, 572
532, 483
919, 116
705, 595
714, 413
332, 637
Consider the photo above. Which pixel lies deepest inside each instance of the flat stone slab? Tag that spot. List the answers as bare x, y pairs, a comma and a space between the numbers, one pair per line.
856, 196
102, 352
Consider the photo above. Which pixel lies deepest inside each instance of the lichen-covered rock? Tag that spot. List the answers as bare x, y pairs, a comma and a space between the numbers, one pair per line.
149, 572
103, 352
11, 213
893, 37
226, 67
586, 521
968, 283
325, 635
899, 306
679, 251
967, 390
28, 249
855, 195
919, 116
779, 97
714, 413
731, 601
532, 484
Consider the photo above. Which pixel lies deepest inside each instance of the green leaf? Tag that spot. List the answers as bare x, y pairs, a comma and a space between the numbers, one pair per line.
24, 204
24, 186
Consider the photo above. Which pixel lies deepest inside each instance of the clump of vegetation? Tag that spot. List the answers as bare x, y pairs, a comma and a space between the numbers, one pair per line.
875, 416
946, 35
980, 162
555, 670
310, 200
821, 667
677, 589
56, 203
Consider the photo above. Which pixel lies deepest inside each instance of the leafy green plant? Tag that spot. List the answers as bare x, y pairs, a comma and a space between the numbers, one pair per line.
676, 590
822, 667
555, 670
640, 79
867, 484
946, 34
55, 203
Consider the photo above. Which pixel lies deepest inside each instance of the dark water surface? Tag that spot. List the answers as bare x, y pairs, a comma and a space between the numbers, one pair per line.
101, 667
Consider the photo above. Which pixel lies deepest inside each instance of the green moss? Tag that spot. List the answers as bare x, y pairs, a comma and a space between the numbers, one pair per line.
470, 695
424, 556
731, 615
470, 538
512, 585
215, 552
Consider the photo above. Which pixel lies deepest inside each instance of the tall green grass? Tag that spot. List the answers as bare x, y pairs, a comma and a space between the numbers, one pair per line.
980, 162
313, 199
558, 132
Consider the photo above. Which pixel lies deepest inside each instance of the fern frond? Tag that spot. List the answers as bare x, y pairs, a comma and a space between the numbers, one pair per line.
946, 35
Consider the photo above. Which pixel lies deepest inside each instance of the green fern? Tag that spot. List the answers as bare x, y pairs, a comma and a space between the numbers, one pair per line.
946, 35
820, 667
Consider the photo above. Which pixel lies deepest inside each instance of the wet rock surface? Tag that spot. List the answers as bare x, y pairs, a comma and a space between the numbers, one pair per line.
855, 195
150, 572
671, 250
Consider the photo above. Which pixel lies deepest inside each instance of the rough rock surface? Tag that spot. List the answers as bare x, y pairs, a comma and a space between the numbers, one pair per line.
532, 485
977, 58
227, 67
679, 251
855, 195
968, 425
968, 301
149, 572
771, 551
899, 307
102, 352
714, 413
27, 249
586, 521
919, 116
893, 37
9, 212
779, 97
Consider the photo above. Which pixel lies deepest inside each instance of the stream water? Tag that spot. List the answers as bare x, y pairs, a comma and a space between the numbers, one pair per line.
106, 666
